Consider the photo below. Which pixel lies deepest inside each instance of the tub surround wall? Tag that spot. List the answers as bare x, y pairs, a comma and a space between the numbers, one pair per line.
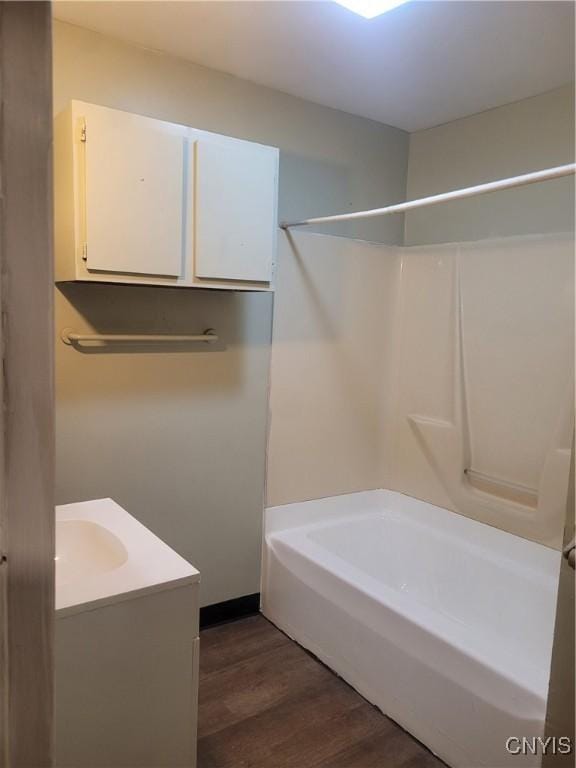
178, 437
438, 312
434, 360
483, 381
333, 297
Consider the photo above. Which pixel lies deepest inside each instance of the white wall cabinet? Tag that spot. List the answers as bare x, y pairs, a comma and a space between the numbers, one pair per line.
140, 200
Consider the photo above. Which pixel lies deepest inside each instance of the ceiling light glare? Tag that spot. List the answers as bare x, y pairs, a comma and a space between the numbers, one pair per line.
370, 8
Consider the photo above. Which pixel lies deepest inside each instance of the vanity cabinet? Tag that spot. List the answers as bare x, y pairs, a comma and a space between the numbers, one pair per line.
126, 643
144, 201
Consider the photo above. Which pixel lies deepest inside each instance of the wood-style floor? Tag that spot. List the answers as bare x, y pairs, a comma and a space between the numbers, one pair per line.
266, 703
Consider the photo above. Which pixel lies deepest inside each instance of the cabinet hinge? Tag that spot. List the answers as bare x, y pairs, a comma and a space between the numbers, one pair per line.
85, 251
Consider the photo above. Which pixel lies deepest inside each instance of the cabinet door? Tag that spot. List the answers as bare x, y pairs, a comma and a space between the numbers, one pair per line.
236, 204
134, 193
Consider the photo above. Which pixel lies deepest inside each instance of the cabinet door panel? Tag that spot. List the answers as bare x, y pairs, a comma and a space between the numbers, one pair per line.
235, 210
134, 194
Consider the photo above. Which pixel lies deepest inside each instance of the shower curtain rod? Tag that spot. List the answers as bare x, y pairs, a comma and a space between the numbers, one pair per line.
456, 194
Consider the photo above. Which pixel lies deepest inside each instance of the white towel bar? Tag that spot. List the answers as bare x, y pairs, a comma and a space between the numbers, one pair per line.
69, 337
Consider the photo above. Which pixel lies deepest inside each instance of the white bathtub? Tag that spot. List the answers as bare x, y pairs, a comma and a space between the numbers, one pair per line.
444, 623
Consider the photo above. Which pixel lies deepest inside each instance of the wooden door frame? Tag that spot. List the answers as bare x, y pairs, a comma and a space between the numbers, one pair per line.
26, 386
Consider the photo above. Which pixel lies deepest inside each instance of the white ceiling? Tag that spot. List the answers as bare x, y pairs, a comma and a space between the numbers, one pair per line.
419, 65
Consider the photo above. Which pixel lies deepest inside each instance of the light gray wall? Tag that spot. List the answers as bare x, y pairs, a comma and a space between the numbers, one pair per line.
329, 160
178, 438
524, 136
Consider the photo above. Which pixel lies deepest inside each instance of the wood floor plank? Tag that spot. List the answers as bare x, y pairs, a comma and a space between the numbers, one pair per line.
393, 748
265, 740
323, 740
220, 648
267, 703
255, 685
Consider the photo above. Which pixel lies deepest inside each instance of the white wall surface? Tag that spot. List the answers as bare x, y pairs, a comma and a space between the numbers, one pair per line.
404, 367
524, 136
333, 297
178, 438
483, 370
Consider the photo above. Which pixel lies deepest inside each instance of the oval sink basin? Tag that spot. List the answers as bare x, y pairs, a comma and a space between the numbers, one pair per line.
85, 549
105, 556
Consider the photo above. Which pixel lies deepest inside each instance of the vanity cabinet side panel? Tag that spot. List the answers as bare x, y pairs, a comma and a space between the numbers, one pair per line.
126, 683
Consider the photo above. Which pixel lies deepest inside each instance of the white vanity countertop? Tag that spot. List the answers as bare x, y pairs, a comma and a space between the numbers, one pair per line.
104, 555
